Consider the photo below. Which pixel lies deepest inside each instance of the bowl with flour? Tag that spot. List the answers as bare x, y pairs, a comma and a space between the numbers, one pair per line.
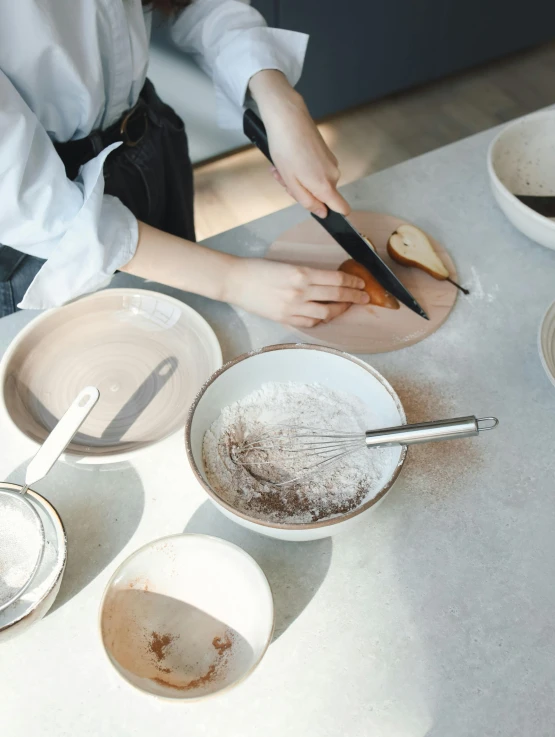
308, 386
39, 596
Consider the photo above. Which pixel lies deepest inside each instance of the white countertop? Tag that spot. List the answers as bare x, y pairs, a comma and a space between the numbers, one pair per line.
433, 618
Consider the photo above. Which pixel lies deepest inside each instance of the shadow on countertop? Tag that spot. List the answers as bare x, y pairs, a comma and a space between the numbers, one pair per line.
99, 522
295, 570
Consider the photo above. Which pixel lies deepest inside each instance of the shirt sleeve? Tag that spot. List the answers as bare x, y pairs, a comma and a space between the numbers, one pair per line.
231, 42
84, 234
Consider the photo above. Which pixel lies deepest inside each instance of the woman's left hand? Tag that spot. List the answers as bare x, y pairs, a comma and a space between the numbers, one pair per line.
304, 165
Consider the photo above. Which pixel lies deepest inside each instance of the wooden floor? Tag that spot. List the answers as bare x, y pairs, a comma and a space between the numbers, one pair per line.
238, 188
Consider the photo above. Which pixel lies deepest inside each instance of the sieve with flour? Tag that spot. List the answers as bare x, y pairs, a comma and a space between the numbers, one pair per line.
22, 536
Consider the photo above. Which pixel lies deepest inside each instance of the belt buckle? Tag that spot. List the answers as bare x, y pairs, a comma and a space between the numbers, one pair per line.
125, 122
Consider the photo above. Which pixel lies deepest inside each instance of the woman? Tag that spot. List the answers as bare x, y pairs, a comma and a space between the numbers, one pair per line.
94, 170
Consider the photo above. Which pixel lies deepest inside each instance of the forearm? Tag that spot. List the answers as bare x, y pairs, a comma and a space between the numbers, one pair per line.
273, 94
304, 164
180, 263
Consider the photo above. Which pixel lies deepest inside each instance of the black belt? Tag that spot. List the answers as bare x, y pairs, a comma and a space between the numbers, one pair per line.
130, 128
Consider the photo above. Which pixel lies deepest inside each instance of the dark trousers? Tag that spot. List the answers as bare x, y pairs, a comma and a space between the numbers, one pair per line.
154, 179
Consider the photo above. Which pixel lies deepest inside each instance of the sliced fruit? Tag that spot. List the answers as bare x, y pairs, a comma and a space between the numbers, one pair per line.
367, 239
378, 295
410, 246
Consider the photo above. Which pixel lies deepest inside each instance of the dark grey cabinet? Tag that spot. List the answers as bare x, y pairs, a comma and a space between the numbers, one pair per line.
364, 49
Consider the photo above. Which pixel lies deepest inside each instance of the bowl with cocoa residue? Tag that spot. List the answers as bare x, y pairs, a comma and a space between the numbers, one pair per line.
186, 617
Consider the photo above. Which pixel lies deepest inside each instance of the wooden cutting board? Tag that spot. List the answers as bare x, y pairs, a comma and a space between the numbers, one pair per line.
369, 329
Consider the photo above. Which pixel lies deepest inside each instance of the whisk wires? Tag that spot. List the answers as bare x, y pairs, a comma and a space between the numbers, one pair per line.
284, 442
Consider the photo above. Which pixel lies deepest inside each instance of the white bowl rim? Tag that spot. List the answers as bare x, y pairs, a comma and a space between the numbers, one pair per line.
520, 206
224, 543
81, 456
61, 540
288, 526
546, 368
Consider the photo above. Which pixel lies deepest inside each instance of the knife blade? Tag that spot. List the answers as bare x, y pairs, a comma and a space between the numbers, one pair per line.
341, 229
358, 249
542, 204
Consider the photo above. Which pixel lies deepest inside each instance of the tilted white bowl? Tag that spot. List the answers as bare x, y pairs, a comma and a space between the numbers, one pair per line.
304, 364
521, 160
187, 616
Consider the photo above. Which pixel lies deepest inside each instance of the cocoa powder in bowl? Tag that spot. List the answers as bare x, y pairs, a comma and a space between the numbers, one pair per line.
177, 616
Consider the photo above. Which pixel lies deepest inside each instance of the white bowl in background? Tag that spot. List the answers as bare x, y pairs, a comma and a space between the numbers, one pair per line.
187, 616
37, 599
521, 160
546, 343
304, 364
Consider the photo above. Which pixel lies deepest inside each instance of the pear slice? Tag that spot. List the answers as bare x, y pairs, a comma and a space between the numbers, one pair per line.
367, 239
410, 246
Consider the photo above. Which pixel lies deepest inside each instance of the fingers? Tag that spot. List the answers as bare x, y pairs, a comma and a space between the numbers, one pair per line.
324, 312
277, 176
337, 294
326, 277
316, 200
297, 321
307, 200
336, 202
315, 313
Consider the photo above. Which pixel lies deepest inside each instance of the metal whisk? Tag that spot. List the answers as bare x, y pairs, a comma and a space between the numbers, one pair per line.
321, 449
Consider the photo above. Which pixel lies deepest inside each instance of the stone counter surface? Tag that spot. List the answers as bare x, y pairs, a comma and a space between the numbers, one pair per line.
433, 618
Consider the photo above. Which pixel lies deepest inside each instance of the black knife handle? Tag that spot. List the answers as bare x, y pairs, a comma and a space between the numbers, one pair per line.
255, 131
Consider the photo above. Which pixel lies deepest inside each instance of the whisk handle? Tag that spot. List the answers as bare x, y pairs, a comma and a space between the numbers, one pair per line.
426, 432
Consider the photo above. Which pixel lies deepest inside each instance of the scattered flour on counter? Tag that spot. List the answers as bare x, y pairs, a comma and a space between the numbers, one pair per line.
477, 291
335, 490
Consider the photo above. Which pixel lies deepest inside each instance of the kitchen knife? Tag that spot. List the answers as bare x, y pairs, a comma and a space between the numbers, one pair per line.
340, 228
542, 204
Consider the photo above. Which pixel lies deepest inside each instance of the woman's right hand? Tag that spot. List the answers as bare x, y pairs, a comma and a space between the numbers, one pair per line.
294, 295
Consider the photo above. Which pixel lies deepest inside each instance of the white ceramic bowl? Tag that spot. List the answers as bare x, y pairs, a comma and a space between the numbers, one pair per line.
521, 160
546, 343
187, 616
304, 364
37, 599
147, 353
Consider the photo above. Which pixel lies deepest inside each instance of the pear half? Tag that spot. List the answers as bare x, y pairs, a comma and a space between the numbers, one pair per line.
379, 297
410, 246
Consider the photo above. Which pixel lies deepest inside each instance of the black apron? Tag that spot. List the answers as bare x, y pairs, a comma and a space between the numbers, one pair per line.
150, 173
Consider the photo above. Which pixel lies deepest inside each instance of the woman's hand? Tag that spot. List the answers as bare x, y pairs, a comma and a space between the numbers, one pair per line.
294, 295
304, 165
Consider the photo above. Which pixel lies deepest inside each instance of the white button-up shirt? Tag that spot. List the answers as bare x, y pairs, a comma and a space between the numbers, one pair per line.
68, 67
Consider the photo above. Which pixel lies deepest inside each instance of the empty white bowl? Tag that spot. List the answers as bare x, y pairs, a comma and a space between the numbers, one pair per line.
147, 353
546, 343
521, 160
187, 616
37, 599
304, 364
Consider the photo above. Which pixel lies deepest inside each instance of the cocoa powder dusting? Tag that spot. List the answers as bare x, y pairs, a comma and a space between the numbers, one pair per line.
158, 644
435, 471
206, 678
222, 645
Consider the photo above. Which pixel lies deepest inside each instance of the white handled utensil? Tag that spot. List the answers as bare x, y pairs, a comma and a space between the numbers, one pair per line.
61, 436
21, 530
